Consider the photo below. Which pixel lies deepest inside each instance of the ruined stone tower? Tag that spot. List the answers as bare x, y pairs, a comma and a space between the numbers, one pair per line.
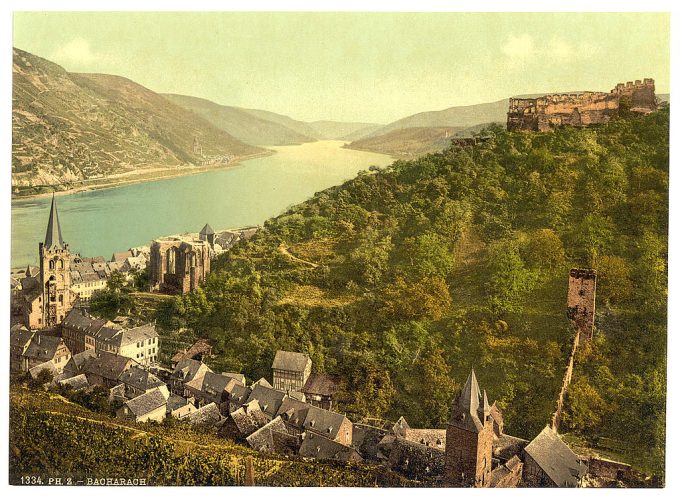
469, 438
581, 301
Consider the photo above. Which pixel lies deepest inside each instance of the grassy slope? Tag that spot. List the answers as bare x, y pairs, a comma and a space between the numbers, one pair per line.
50, 436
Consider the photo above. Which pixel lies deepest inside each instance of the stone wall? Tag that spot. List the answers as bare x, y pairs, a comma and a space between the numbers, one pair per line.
582, 109
468, 456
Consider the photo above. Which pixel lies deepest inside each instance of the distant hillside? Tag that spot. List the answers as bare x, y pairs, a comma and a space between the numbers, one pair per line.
338, 130
69, 127
242, 124
409, 142
458, 116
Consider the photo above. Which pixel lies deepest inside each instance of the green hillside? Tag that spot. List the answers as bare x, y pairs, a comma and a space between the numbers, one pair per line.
68, 127
401, 280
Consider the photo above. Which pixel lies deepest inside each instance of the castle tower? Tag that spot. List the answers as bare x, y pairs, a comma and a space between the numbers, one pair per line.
469, 438
581, 301
55, 272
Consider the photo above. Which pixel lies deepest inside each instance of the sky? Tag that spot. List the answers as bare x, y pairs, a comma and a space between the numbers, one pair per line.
368, 67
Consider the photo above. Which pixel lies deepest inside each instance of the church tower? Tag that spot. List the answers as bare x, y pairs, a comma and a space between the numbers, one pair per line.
55, 272
469, 438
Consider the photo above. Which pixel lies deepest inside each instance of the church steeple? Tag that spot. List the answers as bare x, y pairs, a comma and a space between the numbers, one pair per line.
53, 237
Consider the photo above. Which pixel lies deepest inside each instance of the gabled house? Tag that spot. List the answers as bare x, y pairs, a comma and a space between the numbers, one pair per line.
320, 390
106, 368
290, 371
269, 399
208, 415
274, 438
178, 407
43, 348
147, 407
549, 462
212, 388
330, 425
76, 383
318, 447
19, 339
185, 371
139, 381
244, 421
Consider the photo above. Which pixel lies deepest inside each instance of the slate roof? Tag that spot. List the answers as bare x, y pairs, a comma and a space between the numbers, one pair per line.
201, 347
470, 407
239, 395
262, 382
249, 418
270, 400
207, 415
241, 378
319, 447
324, 422
145, 403
426, 436
77, 319
556, 459
76, 362
263, 439
53, 237
506, 446
291, 361
139, 378
43, 347
77, 383
365, 439
187, 369
501, 472
107, 365
48, 365
175, 402
321, 384
120, 256
19, 336
294, 412
207, 230
212, 385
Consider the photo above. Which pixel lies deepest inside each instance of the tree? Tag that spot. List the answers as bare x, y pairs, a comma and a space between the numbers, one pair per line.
614, 283
543, 250
427, 298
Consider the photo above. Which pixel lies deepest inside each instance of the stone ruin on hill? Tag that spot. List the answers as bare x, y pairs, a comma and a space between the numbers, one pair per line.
583, 109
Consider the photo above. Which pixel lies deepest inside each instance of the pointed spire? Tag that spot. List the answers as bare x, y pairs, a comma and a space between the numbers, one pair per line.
53, 236
470, 395
485, 410
207, 230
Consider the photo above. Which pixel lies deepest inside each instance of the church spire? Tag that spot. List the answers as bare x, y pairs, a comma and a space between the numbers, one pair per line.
53, 236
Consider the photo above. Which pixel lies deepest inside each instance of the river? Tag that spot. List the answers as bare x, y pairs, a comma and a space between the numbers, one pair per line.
100, 222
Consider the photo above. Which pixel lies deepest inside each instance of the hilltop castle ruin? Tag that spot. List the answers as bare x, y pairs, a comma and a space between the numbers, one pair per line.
587, 108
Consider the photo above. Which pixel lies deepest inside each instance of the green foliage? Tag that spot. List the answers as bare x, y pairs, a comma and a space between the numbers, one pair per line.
460, 259
113, 300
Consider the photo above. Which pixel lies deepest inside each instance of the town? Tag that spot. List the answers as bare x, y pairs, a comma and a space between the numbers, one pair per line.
57, 344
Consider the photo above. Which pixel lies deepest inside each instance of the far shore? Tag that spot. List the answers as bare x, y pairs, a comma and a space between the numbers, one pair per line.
143, 175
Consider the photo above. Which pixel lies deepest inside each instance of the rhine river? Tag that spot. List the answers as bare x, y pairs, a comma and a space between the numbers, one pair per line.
100, 222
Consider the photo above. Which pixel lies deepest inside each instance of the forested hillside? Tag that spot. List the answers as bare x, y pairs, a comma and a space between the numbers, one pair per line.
401, 280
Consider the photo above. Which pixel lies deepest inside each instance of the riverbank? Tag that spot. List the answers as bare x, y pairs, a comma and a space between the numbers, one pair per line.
148, 174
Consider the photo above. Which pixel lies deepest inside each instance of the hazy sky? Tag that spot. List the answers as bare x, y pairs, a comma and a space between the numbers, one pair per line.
352, 66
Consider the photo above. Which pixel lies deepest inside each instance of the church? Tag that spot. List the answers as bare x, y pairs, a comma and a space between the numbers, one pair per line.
47, 295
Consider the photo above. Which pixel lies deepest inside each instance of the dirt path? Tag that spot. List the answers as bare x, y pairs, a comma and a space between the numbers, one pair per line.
283, 249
